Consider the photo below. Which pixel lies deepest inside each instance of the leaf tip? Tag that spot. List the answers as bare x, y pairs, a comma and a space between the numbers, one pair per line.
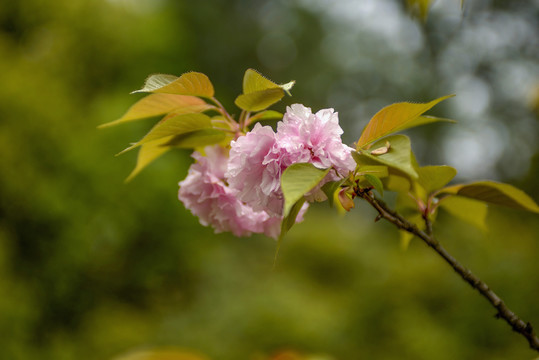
109, 124
279, 241
133, 145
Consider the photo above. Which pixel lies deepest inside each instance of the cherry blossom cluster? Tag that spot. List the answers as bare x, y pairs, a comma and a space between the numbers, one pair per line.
238, 189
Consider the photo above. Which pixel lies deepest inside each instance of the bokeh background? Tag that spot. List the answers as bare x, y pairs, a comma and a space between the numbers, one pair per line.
91, 267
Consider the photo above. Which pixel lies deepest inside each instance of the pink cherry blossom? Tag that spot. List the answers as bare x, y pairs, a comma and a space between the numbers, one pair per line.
258, 159
208, 197
255, 168
314, 138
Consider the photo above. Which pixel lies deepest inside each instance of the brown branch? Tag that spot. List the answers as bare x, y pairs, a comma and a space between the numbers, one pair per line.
523, 328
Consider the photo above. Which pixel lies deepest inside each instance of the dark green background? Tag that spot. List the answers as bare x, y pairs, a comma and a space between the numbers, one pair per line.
91, 267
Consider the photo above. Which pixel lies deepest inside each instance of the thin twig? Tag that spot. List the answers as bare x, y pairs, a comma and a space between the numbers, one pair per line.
223, 111
523, 328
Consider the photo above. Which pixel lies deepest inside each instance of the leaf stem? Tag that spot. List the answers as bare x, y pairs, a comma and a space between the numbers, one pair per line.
248, 120
223, 111
244, 120
518, 325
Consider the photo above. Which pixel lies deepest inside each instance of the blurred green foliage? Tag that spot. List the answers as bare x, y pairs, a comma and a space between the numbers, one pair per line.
92, 267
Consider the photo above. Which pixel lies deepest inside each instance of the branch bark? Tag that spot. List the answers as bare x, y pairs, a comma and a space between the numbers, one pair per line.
518, 325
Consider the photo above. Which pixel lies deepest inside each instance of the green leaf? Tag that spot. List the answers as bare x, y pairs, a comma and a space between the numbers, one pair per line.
405, 236
147, 154
259, 92
287, 223
266, 115
399, 155
393, 118
376, 182
330, 188
406, 205
190, 110
494, 193
290, 219
396, 180
379, 171
254, 82
433, 178
176, 125
361, 159
259, 100
425, 120
159, 104
297, 180
157, 81
396, 183
191, 83
197, 138
472, 211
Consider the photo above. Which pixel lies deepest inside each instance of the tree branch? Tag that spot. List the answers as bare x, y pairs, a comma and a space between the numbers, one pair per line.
525, 329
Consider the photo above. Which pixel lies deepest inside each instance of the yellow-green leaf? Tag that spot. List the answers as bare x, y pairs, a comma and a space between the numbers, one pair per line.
191, 83
396, 183
159, 104
406, 205
297, 180
376, 183
394, 118
190, 110
220, 122
405, 236
398, 156
259, 92
424, 120
433, 178
290, 219
494, 193
409, 207
266, 115
253, 82
259, 100
472, 211
176, 125
331, 188
197, 138
377, 170
157, 81
286, 224
147, 154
